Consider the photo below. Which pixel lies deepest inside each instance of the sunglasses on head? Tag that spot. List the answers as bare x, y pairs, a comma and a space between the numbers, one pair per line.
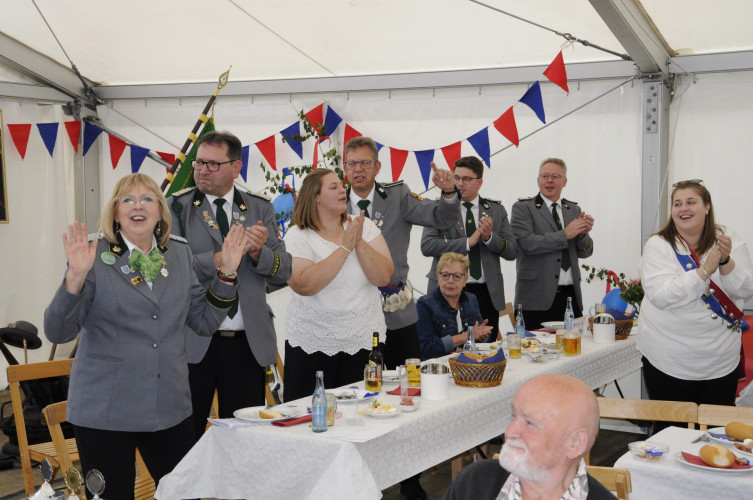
689, 181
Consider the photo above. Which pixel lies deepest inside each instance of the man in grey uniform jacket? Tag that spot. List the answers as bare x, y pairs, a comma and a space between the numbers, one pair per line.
233, 361
552, 234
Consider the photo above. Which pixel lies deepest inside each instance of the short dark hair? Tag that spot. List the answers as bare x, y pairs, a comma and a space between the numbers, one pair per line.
472, 163
359, 142
223, 138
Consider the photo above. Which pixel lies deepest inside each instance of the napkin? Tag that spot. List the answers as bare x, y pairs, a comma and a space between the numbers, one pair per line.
293, 421
412, 391
231, 423
696, 460
499, 356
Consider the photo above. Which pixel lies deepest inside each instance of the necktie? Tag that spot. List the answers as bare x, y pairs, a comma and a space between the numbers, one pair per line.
364, 205
148, 265
224, 228
475, 253
221, 217
565, 251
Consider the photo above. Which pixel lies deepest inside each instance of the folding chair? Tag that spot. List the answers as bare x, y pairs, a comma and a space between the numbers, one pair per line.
617, 480
719, 415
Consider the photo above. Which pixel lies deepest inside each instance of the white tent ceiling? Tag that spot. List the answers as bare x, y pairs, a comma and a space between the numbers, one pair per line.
183, 41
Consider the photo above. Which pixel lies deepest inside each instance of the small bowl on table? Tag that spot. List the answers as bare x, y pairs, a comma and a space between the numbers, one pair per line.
649, 451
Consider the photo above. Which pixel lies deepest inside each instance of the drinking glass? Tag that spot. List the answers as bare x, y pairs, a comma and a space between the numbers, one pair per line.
513, 343
413, 365
372, 378
331, 409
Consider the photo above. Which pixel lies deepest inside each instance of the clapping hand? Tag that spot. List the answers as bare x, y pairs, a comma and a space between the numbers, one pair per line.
480, 332
353, 232
235, 245
724, 243
80, 253
485, 226
257, 237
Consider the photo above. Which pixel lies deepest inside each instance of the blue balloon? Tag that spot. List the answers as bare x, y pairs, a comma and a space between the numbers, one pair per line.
616, 306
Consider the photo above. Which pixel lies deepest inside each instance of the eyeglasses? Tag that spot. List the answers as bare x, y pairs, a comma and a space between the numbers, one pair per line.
689, 181
465, 180
454, 276
212, 166
130, 200
365, 164
546, 177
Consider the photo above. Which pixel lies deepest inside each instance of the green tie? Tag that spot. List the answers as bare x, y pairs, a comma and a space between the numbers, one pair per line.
565, 251
221, 217
148, 265
364, 205
475, 253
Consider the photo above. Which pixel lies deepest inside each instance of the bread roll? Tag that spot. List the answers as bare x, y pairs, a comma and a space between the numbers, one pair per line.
267, 414
739, 430
717, 456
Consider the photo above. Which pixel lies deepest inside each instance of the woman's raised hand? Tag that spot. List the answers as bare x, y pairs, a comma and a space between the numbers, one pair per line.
236, 243
481, 331
80, 253
353, 231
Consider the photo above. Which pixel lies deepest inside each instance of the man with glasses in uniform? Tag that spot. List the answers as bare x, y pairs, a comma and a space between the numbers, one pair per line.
552, 233
234, 360
395, 209
482, 234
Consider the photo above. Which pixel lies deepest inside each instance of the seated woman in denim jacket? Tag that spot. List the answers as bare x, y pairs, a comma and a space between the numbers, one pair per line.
445, 314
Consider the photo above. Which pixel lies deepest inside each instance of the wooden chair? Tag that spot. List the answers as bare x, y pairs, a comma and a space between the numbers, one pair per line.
54, 414
40, 451
281, 370
720, 415
617, 480
510, 311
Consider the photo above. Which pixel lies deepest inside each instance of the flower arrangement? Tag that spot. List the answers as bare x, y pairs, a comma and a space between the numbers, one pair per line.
631, 291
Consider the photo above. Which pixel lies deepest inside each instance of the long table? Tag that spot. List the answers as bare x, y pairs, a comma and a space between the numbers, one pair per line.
292, 462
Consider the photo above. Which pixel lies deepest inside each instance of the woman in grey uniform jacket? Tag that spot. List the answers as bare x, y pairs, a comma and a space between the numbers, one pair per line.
130, 293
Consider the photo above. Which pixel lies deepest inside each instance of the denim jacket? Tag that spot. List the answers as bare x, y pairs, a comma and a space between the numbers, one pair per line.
437, 322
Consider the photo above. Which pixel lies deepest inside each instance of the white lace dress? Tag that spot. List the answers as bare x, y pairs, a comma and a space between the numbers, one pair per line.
344, 314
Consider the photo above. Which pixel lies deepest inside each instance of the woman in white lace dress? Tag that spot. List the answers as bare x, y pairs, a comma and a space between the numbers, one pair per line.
338, 263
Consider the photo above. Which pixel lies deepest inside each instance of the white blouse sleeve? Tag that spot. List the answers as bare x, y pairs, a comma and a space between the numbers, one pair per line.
665, 286
739, 283
297, 244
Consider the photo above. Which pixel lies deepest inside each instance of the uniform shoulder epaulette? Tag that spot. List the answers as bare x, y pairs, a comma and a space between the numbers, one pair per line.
393, 184
183, 191
95, 236
525, 199
570, 201
259, 195
175, 237
498, 202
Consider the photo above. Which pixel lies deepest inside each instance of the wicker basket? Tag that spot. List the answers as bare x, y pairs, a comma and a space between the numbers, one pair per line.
622, 327
477, 374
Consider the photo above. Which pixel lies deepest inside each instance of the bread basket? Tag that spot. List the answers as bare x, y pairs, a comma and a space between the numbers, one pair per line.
622, 327
477, 374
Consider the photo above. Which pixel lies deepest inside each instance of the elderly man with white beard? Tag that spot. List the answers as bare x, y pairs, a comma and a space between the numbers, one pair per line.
555, 419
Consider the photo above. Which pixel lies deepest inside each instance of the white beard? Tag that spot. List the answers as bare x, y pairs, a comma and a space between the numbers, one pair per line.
514, 457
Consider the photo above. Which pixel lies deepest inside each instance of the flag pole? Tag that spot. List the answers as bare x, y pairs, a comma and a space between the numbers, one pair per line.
203, 118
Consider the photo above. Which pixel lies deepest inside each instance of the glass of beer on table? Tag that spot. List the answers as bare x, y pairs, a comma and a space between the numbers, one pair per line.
413, 365
572, 342
513, 343
372, 377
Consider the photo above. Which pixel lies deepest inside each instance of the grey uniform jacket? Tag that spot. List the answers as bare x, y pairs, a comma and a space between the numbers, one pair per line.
193, 218
394, 210
435, 242
130, 372
540, 246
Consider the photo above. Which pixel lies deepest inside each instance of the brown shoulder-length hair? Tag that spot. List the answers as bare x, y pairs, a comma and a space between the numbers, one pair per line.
710, 228
122, 187
305, 214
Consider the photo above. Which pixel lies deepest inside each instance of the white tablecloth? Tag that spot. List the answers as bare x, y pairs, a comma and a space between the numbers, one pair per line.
263, 461
670, 479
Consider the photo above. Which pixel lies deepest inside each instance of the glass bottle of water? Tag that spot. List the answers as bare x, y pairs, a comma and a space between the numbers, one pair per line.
470, 343
520, 324
319, 405
569, 315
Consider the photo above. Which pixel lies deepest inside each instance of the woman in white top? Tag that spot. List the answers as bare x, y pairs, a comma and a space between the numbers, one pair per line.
338, 263
690, 347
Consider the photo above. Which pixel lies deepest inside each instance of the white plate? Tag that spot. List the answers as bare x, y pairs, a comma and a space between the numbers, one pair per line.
360, 394
394, 413
483, 346
251, 414
551, 325
746, 454
390, 377
720, 430
681, 459
409, 409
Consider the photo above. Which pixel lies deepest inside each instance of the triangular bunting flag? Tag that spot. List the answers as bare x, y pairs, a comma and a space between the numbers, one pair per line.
379, 146
557, 73
315, 117
117, 145
350, 133
506, 126
20, 132
397, 157
74, 131
137, 157
91, 132
244, 160
532, 99
184, 177
267, 149
49, 133
480, 142
424, 159
168, 157
289, 134
331, 121
451, 154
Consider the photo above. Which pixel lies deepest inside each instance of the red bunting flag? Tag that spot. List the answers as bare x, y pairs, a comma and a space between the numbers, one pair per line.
117, 146
20, 135
316, 117
350, 133
451, 154
267, 149
557, 74
74, 132
506, 126
168, 157
397, 158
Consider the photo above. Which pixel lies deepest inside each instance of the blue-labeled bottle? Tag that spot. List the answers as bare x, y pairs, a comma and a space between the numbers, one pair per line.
520, 324
569, 315
319, 405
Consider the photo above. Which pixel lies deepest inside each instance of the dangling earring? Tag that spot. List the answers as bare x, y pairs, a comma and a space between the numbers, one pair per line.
158, 229
116, 226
